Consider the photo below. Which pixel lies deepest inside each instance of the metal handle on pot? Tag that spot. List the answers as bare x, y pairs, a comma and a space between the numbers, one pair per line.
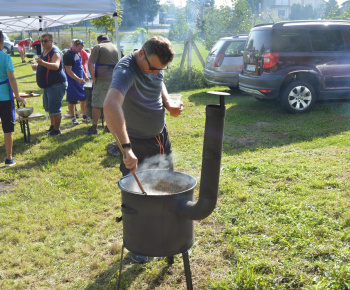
123, 152
128, 210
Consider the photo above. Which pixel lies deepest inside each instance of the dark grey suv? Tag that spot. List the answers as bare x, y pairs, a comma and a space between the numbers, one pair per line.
298, 62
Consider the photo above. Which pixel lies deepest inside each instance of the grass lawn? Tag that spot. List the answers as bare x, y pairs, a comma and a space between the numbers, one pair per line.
282, 219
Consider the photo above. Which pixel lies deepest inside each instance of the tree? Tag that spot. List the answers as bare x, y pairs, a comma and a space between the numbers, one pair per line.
137, 12
331, 10
299, 12
346, 14
107, 23
183, 24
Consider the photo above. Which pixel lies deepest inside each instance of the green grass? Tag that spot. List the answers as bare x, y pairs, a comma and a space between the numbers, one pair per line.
282, 218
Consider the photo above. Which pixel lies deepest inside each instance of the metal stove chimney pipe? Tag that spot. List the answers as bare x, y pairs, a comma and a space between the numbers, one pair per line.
211, 160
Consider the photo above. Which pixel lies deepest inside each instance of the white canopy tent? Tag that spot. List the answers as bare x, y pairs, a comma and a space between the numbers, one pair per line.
24, 15
10, 24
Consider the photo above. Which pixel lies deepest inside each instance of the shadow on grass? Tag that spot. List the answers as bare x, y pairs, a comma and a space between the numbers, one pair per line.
64, 145
251, 124
130, 270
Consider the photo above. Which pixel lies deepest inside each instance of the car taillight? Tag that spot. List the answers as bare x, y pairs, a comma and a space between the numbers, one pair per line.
218, 60
270, 59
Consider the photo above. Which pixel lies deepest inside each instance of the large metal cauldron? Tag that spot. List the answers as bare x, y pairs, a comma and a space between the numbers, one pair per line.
152, 225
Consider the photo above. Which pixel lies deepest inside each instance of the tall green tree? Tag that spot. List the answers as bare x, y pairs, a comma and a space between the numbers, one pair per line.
137, 12
107, 23
299, 12
226, 21
346, 14
331, 10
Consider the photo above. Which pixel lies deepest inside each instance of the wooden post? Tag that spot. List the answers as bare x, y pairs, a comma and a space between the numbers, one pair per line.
89, 37
184, 55
189, 59
198, 54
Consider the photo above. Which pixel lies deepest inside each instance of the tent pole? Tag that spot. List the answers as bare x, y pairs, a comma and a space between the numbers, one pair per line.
115, 15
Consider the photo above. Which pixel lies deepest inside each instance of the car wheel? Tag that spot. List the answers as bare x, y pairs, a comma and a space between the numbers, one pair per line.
6, 50
298, 97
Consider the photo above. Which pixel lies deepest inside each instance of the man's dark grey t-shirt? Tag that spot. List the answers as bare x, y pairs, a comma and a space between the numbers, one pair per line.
143, 106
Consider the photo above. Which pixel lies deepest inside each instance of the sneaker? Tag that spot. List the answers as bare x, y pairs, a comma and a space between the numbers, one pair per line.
113, 149
75, 121
139, 258
23, 61
55, 132
9, 162
49, 130
92, 131
86, 120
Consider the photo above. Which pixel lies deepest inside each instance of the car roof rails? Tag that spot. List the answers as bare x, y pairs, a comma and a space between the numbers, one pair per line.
280, 24
263, 24
238, 35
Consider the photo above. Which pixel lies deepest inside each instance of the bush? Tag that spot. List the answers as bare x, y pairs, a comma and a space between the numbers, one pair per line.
177, 79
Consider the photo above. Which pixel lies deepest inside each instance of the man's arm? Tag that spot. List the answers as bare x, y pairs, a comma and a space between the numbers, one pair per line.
14, 87
113, 113
165, 99
54, 65
73, 75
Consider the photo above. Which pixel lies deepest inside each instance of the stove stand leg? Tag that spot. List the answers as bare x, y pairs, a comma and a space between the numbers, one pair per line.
187, 270
170, 260
120, 268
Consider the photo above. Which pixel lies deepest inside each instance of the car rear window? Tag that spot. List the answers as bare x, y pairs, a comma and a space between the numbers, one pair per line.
327, 40
217, 46
234, 48
259, 41
291, 40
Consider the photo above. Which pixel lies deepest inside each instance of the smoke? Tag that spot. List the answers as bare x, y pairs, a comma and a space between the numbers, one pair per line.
158, 178
160, 162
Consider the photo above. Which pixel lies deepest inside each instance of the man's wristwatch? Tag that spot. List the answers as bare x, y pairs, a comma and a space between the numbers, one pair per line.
126, 145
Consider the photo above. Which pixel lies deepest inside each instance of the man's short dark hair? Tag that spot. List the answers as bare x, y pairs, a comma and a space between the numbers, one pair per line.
161, 47
49, 35
1, 36
102, 37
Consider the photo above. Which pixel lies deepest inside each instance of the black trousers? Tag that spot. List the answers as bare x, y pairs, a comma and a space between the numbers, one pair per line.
152, 153
8, 124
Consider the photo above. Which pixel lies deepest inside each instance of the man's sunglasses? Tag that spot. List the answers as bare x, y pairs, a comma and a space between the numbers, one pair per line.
153, 68
45, 40
79, 42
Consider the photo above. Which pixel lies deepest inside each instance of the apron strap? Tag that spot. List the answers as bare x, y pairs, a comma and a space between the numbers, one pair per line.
102, 64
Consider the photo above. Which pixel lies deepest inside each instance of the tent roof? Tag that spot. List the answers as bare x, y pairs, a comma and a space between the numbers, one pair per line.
19, 15
22, 23
54, 7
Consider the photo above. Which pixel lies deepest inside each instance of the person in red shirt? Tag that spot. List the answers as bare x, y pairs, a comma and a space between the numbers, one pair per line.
84, 58
22, 47
36, 45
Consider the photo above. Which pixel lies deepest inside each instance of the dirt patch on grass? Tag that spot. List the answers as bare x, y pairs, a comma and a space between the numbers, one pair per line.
5, 185
249, 141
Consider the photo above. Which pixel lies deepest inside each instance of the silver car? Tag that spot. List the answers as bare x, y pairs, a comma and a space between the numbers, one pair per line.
225, 61
8, 44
